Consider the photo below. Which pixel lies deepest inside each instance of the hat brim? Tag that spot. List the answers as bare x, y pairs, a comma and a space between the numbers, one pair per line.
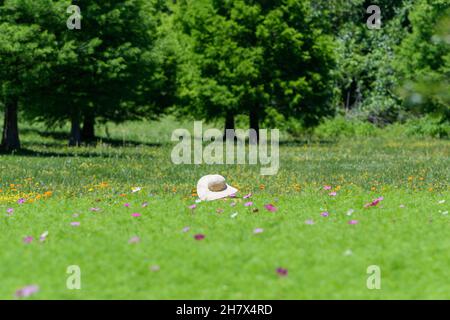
207, 195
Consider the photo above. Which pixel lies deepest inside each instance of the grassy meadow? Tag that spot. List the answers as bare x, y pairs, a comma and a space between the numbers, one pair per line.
124, 213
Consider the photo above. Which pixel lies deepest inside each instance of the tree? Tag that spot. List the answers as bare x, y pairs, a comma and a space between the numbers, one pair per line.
249, 57
107, 70
26, 52
423, 60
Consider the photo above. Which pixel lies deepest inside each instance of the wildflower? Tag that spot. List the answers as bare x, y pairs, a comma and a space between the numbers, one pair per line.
198, 200
136, 215
247, 196
134, 239
137, 189
282, 272
374, 202
233, 195
28, 239
326, 187
43, 236
270, 207
155, 268
186, 229
258, 230
95, 209
441, 201
309, 222
353, 222
248, 204
75, 224
192, 207
21, 201
350, 212
234, 215
27, 291
199, 236
126, 205
144, 205
325, 214
333, 194
10, 211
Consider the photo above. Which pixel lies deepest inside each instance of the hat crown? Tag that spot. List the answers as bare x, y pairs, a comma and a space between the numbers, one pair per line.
217, 183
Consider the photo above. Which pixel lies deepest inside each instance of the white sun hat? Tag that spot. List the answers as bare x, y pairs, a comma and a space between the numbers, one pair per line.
212, 187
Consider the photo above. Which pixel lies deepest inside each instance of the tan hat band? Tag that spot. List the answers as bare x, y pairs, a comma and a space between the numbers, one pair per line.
217, 186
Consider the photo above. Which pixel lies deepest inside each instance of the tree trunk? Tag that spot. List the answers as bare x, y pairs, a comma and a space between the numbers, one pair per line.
10, 136
88, 132
254, 124
229, 124
75, 132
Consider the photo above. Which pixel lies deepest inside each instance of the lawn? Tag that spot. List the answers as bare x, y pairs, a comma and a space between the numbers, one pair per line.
142, 244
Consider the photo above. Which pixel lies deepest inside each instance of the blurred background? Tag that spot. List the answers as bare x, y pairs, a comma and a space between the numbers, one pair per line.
312, 68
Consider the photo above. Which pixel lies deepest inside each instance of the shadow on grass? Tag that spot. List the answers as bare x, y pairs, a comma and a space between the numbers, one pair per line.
63, 137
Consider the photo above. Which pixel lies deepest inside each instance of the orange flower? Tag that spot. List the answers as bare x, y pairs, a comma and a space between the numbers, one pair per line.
48, 194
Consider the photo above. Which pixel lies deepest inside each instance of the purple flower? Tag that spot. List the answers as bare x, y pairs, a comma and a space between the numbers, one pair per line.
43, 236
75, 224
309, 222
282, 272
233, 195
247, 196
325, 214
353, 222
199, 236
258, 230
192, 207
248, 204
10, 210
126, 205
27, 291
136, 215
21, 201
326, 187
333, 194
186, 229
270, 207
28, 239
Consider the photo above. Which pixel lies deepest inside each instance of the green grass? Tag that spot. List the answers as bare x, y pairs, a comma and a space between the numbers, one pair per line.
409, 244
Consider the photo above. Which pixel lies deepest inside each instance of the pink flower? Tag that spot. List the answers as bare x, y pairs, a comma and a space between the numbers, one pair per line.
326, 187
353, 222
270, 207
333, 194
21, 201
10, 210
258, 230
28, 239
248, 204
134, 239
247, 196
95, 209
192, 207
126, 205
233, 195
136, 215
325, 214
199, 236
75, 224
374, 202
27, 291
282, 272
309, 222
145, 204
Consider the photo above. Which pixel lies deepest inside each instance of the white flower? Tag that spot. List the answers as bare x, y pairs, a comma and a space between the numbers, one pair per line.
137, 189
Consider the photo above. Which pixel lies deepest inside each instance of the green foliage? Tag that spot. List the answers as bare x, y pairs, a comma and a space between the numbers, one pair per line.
340, 127
247, 57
